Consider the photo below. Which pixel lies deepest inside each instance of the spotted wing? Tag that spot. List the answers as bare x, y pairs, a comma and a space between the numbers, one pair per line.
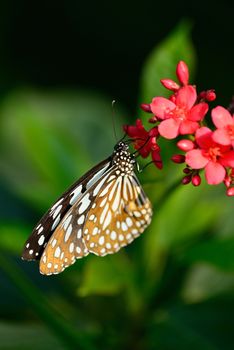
108, 216
67, 243
41, 234
120, 213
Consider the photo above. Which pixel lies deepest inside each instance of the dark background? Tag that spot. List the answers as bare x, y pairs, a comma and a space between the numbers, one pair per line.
102, 45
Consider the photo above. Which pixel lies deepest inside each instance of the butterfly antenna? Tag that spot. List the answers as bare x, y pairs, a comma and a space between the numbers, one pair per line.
146, 166
113, 120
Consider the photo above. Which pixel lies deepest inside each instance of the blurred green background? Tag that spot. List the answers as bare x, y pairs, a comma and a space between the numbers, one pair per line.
61, 65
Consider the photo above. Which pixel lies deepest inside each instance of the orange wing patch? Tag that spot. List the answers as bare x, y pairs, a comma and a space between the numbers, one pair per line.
119, 215
64, 247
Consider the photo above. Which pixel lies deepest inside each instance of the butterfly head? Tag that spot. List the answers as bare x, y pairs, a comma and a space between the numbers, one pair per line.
124, 160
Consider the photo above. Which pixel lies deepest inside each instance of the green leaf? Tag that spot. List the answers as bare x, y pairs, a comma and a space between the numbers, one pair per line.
171, 333
44, 307
18, 336
206, 325
163, 60
49, 139
105, 276
204, 281
216, 252
12, 236
186, 212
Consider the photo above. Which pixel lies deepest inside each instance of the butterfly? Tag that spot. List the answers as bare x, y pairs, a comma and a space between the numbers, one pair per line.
105, 210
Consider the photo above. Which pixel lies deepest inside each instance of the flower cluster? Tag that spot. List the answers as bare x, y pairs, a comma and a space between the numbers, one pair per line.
182, 116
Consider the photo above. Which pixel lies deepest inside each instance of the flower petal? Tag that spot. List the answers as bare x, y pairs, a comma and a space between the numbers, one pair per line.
198, 112
195, 159
186, 97
221, 117
136, 131
161, 107
182, 73
204, 137
157, 159
228, 159
221, 136
214, 173
169, 128
188, 127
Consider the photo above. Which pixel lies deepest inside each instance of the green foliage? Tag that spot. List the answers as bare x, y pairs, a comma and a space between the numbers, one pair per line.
15, 336
50, 138
163, 59
155, 294
216, 252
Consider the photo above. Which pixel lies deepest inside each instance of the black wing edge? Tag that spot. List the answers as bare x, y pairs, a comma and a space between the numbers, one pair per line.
36, 243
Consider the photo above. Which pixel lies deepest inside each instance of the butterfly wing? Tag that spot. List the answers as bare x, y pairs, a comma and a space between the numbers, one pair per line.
121, 214
108, 216
67, 243
41, 234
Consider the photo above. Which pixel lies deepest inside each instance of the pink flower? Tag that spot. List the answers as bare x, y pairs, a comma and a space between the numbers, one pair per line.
181, 116
145, 141
182, 73
224, 123
211, 156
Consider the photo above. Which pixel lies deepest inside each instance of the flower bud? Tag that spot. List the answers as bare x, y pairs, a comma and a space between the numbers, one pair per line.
172, 98
227, 181
196, 180
178, 158
153, 119
146, 107
230, 191
210, 95
154, 132
182, 73
186, 180
170, 84
186, 171
185, 145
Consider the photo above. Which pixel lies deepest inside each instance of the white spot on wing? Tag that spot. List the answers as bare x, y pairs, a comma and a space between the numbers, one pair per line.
67, 222
79, 233
57, 220
124, 226
101, 240
98, 187
129, 221
84, 203
40, 230
97, 176
57, 210
113, 235
54, 242
103, 215
107, 220
81, 220
116, 201
95, 231
68, 233
71, 247
75, 195
57, 252
56, 204
121, 237
41, 240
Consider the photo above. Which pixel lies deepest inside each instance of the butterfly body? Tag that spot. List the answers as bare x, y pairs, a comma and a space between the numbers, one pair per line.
102, 212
